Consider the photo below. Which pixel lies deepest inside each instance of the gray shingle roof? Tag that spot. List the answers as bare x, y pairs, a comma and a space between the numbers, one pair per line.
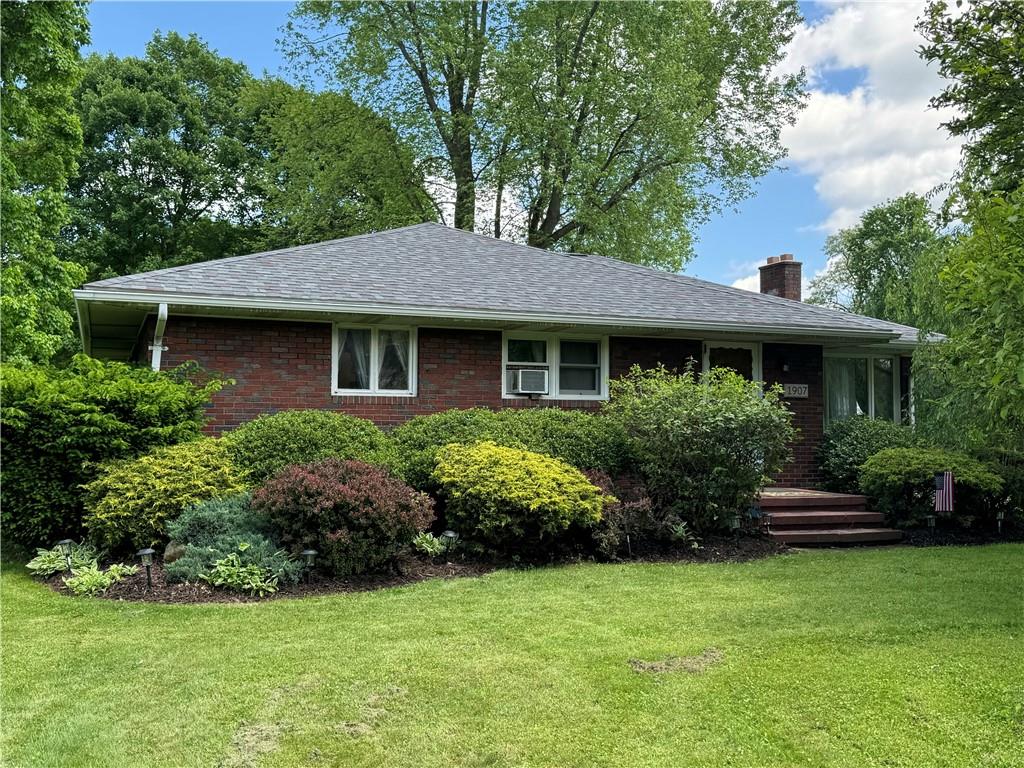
430, 266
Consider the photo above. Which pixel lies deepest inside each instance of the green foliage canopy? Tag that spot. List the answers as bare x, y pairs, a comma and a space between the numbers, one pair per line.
39, 143
601, 126
979, 50
333, 168
875, 266
163, 178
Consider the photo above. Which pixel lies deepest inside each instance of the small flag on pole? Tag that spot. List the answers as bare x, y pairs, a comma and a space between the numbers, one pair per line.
943, 491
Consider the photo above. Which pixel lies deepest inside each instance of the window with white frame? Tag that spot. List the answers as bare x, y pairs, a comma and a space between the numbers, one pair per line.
371, 360
577, 366
861, 385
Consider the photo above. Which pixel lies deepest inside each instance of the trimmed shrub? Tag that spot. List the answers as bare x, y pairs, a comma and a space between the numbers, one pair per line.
266, 445
705, 446
849, 443
584, 440
901, 484
253, 549
59, 424
356, 515
131, 502
511, 500
203, 523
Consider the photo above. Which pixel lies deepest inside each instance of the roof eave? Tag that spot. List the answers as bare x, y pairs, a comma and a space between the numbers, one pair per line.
454, 313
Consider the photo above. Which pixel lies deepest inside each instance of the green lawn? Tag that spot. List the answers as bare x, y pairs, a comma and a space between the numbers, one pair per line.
885, 657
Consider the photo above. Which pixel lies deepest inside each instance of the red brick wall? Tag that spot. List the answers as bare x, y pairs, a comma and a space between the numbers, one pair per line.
624, 352
282, 365
805, 366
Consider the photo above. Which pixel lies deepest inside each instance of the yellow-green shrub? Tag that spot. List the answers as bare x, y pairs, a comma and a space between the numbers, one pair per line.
131, 501
513, 500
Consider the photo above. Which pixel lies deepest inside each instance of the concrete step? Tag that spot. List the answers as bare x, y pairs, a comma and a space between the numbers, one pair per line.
823, 518
836, 535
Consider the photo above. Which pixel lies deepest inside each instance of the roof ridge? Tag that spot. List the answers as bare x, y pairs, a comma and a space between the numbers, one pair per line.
731, 291
244, 256
676, 276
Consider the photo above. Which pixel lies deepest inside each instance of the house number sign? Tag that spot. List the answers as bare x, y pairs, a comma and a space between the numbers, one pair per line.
794, 391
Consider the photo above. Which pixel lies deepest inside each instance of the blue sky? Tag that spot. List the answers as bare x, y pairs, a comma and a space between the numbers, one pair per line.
866, 135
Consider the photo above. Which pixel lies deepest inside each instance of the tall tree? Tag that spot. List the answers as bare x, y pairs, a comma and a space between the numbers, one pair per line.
980, 51
631, 122
332, 168
874, 266
424, 62
610, 127
164, 171
975, 378
41, 137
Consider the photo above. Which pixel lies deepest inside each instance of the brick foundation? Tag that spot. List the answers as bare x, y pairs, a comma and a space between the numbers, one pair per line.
280, 365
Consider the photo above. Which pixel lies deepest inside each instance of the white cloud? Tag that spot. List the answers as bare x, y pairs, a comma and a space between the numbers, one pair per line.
748, 283
880, 139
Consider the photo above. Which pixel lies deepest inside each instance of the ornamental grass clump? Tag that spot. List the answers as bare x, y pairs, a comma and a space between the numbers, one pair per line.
513, 501
357, 516
706, 444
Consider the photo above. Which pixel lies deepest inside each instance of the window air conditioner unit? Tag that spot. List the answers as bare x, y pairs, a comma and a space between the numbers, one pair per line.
531, 381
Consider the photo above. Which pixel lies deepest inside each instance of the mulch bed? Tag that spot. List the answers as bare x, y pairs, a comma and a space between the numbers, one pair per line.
409, 569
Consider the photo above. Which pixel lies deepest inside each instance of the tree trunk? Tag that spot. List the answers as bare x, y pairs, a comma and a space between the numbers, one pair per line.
465, 183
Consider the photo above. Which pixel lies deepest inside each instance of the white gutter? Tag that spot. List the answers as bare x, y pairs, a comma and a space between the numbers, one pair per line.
157, 347
292, 305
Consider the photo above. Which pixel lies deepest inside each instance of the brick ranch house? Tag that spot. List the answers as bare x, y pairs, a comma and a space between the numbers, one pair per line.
425, 318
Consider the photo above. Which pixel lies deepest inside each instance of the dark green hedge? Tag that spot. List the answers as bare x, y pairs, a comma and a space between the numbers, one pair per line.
59, 424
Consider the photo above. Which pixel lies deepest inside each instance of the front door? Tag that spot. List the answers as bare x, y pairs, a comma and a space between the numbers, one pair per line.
741, 357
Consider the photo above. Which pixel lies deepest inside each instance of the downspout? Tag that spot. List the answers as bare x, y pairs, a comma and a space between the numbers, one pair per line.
157, 347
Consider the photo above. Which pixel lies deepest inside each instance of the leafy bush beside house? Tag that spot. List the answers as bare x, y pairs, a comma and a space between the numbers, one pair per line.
60, 424
356, 515
900, 483
514, 501
705, 445
131, 502
847, 444
264, 446
584, 440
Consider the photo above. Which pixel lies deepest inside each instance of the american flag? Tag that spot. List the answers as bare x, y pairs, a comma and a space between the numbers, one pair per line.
943, 491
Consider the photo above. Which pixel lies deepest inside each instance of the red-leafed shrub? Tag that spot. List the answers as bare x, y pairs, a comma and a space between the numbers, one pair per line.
357, 516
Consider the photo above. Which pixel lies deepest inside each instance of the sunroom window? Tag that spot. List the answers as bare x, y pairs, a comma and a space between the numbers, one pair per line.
860, 386
374, 361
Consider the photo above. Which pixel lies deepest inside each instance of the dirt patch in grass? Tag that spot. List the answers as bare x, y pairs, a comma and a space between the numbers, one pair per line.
408, 569
251, 742
695, 665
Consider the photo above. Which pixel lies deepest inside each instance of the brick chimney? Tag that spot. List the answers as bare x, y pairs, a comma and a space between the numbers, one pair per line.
781, 277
